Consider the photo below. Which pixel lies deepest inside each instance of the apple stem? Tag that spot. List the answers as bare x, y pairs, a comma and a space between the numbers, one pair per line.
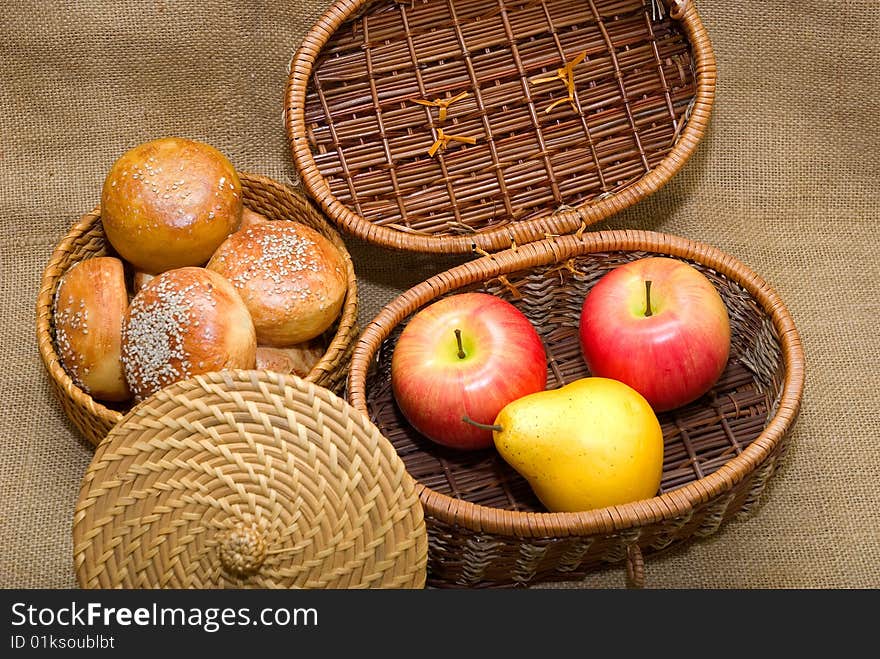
484, 426
648, 311
461, 352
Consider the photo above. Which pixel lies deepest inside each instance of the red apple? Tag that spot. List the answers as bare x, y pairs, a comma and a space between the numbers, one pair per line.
658, 325
466, 355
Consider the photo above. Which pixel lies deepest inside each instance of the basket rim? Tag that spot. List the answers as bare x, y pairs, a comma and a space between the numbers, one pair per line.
518, 232
610, 519
336, 350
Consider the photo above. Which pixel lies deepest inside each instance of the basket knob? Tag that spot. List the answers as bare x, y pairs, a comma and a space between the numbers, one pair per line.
242, 550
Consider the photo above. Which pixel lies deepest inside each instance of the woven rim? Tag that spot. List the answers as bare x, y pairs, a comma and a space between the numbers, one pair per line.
562, 222
247, 479
606, 520
260, 194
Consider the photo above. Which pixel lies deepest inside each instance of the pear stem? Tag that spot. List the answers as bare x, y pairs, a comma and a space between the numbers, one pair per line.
648, 311
461, 353
484, 426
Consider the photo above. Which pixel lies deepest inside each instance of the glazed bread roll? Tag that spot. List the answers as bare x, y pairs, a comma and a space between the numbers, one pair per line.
298, 360
139, 280
184, 322
90, 305
291, 278
250, 218
169, 203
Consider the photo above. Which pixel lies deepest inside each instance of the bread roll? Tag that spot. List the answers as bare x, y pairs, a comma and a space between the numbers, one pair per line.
139, 280
297, 360
169, 203
250, 218
184, 322
90, 304
291, 278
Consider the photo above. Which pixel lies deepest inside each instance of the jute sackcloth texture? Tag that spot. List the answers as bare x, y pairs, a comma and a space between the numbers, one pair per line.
787, 180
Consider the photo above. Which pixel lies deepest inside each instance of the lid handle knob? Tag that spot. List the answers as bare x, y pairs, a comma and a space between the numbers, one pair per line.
242, 550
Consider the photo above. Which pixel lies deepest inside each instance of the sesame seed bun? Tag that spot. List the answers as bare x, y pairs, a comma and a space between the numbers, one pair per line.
184, 322
169, 203
291, 278
90, 304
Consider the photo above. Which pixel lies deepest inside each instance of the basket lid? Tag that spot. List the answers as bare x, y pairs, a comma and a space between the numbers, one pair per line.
454, 125
247, 479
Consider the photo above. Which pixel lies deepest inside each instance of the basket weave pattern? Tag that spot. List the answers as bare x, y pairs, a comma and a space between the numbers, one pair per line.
366, 105
86, 240
247, 479
486, 527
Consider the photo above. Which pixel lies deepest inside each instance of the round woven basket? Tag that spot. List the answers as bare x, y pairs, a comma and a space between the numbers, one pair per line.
86, 240
247, 479
445, 125
486, 527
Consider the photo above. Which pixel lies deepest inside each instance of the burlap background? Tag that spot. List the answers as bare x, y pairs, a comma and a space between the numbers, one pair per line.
786, 180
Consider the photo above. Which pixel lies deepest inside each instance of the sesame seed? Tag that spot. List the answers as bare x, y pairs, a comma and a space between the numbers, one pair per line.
66, 321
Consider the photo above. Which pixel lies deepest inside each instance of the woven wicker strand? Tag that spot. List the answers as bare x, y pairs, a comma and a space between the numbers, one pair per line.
360, 119
485, 526
247, 479
86, 240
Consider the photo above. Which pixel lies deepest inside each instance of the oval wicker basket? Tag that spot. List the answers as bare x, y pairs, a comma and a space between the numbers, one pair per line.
86, 240
485, 526
247, 479
449, 125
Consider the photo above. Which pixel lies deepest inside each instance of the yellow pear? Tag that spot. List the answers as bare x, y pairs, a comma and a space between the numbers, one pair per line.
592, 443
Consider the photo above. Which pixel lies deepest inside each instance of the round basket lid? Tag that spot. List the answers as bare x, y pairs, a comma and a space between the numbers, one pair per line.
247, 479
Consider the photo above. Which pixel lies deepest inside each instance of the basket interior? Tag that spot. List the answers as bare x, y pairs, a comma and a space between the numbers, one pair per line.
698, 438
370, 139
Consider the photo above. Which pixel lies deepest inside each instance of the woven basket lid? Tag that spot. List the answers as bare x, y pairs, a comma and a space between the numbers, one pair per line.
452, 125
247, 479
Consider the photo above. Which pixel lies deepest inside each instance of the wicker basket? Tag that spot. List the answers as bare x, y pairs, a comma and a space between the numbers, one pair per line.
86, 240
485, 526
445, 125
247, 479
